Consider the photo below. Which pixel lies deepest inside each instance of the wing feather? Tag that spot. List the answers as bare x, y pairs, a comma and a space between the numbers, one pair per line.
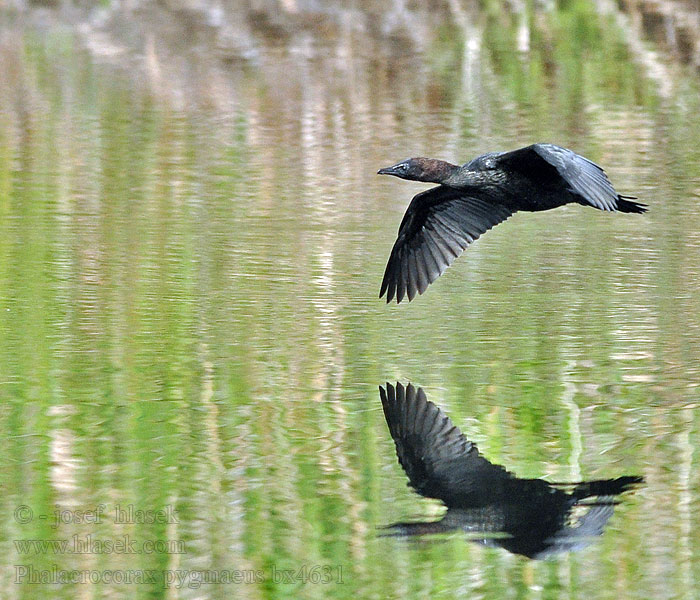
439, 461
438, 226
549, 164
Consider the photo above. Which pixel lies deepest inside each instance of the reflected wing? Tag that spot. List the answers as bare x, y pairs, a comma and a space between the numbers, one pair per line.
548, 164
439, 461
438, 225
587, 520
580, 534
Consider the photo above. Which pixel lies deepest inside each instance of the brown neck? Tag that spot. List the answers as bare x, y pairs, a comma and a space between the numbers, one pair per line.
434, 170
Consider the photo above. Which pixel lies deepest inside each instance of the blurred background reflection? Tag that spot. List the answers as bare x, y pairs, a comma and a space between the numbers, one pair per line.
192, 239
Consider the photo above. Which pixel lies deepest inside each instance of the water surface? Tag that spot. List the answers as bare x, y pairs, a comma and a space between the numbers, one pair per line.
192, 238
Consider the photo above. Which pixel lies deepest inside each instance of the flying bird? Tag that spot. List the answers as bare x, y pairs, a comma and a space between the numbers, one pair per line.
531, 517
469, 200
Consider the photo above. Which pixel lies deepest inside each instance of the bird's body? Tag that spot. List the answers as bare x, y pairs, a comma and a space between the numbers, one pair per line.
469, 200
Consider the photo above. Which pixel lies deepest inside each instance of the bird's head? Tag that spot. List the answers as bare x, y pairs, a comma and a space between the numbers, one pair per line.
419, 169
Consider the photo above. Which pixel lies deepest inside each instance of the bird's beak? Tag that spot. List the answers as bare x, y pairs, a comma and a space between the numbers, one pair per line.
386, 171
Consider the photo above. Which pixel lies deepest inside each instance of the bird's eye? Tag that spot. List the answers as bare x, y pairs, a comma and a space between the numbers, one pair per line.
402, 167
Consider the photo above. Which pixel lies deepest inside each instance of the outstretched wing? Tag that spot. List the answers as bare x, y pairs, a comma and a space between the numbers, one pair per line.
548, 164
438, 225
439, 461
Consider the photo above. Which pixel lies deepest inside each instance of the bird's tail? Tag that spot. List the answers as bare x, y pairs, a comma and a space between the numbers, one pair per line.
625, 205
606, 487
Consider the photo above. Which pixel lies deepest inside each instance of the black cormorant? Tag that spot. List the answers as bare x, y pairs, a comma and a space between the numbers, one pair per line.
442, 221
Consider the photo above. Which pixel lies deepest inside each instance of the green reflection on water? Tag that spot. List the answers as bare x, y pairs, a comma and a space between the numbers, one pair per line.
189, 319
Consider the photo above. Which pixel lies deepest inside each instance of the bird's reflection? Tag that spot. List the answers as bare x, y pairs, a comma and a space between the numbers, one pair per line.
531, 517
